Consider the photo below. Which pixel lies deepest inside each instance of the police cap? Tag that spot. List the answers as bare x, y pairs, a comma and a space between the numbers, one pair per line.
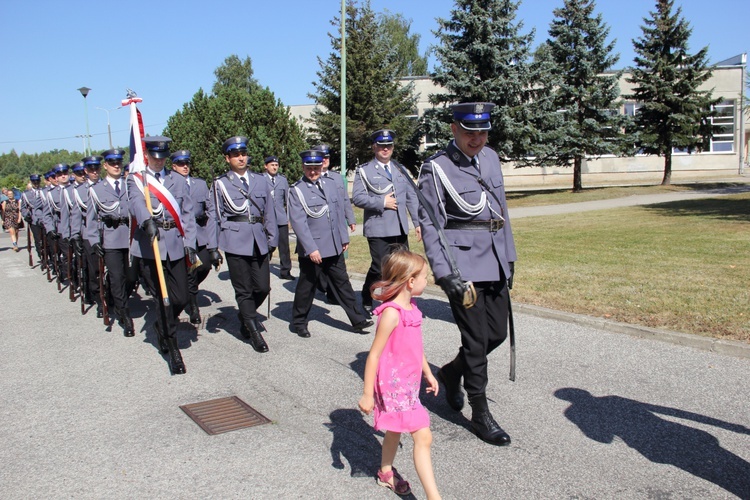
270, 159
183, 155
34, 178
92, 160
473, 115
113, 154
158, 146
61, 168
325, 149
383, 136
311, 157
78, 167
237, 142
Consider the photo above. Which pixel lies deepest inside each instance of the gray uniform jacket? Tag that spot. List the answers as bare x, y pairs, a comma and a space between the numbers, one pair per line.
371, 185
240, 237
56, 211
480, 254
80, 196
205, 213
280, 192
172, 244
108, 217
344, 195
74, 220
32, 202
324, 228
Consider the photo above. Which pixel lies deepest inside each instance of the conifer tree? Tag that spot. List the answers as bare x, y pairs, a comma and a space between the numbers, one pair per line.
375, 98
589, 123
673, 112
484, 56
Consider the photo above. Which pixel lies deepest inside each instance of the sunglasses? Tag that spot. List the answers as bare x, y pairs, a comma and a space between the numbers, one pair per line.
237, 152
182, 163
114, 163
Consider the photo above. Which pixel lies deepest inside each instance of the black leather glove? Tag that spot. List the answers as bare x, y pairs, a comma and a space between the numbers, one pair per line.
271, 250
150, 228
512, 266
78, 244
453, 287
98, 249
27, 219
216, 259
191, 255
52, 235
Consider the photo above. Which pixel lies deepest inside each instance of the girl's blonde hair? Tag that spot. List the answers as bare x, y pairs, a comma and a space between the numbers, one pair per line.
397, 267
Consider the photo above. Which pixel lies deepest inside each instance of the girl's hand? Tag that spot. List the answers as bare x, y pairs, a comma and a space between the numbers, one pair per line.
432, 384
366, 404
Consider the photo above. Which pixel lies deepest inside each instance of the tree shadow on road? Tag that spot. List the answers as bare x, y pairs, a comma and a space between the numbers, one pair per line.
730, 209
662, 441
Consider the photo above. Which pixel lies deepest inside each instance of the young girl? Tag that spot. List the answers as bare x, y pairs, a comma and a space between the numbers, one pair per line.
394, 368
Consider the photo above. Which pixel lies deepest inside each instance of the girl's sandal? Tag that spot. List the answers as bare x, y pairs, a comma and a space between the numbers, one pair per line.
394, 482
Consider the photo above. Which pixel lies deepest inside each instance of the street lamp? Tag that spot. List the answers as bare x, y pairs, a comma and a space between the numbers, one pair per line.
84, 92
109, 129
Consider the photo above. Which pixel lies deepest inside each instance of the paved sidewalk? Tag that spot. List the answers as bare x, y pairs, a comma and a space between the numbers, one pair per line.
88, 413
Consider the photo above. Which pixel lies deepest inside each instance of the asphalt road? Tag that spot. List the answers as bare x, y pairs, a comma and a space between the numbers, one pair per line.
88, 413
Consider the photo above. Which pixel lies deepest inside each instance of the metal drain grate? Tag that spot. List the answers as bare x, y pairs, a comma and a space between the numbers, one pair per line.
224, 415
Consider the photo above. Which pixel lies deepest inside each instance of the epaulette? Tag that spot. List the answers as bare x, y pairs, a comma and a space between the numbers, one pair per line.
436, 155
298, 181
281, 175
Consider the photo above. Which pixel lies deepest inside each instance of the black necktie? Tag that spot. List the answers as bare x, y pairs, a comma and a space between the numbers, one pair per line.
244, 183
157, 175
117, 187
320, 187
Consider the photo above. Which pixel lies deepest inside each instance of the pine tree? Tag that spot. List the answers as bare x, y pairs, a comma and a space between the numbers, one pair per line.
483, 56
673, 112
238, 106
375, 98
589, 123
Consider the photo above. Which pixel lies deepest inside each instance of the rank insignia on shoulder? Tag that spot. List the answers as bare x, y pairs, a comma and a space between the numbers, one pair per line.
436, 155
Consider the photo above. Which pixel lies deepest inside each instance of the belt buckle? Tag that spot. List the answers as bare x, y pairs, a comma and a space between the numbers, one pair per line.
496, 225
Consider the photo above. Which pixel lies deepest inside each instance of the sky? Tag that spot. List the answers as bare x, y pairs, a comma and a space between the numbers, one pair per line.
167, 50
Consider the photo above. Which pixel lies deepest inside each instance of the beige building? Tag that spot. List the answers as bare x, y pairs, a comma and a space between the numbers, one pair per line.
726, 157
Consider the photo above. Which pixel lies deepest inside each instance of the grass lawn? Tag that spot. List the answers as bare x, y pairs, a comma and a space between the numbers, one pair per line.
682, 266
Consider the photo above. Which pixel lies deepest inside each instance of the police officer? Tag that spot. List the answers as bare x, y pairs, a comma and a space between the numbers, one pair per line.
48, 224
32, 210
463, 185
107, 231
75, 219
382, 191
248, 232
56, 218
92, 166
205, 221
318, 220
280, 193
172, 223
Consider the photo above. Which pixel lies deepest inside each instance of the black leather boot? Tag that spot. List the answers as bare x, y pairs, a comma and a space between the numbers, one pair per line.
175, 358
126, 322
256, 338
450, 376
193, 311
483, 425
161, 341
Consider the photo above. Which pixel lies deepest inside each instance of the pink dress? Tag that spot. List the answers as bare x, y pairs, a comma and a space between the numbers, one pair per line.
399, 375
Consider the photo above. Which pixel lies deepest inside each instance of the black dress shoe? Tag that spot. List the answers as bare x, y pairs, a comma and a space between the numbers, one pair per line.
129, 327
243, 328
365, 323
257, 341
99, 312
287, 276
453, 394
486, 429
303, 332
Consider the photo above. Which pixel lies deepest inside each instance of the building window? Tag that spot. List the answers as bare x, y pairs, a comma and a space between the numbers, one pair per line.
723, 127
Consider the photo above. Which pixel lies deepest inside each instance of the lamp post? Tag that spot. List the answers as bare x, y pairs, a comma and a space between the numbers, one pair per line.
84, 92
109, 129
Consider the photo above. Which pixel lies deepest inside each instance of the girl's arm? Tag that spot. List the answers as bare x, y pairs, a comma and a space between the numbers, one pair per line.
432, 383
389, 319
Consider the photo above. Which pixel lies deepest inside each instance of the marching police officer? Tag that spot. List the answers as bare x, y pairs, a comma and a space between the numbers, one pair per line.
50, 180
248, 232
172, 223
92, 166
32, 210
318, 220
382, 191
56, 218
205, 221
280, 193
75, 219
463, 186
107, 232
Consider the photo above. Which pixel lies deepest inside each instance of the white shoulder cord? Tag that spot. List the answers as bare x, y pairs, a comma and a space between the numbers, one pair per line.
67, 199
106, 209
229, 205
372, 188
315, 215
79, 201
465, 207
52, 202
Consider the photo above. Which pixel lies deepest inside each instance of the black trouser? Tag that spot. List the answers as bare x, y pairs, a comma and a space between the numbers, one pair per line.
201, 272
335, 270
175, 277
52, 255
379, 248
92, 260
285, 257
62, 247
483, 328
37, 230
251, 279
117, 261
